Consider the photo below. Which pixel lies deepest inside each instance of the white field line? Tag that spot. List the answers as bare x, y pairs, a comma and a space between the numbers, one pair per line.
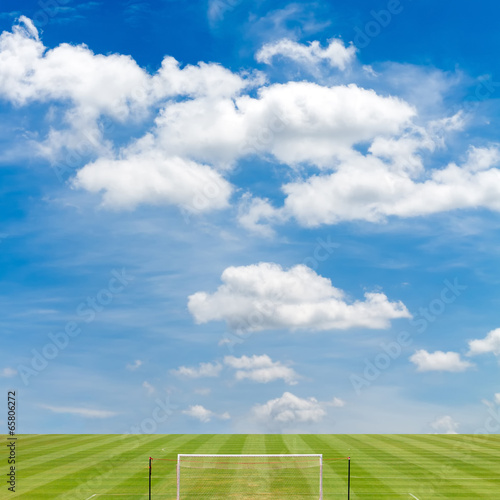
413, 496
92, 496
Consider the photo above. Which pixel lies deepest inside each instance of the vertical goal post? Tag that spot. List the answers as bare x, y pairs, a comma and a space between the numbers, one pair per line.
210, 461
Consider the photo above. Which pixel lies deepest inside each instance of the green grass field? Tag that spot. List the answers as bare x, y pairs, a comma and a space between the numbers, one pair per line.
383, 467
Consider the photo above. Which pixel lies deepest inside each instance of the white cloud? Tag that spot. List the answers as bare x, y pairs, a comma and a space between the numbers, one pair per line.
264, 296
491, 343
337, 403
154, 179
217, 9
81, 412
203, 370
261, 369
149, 388
336, 53
201, 80
294, 122
204, 415
497, 398
8, 372
201, 119
199, 412
135, 365
91, 84
370, 189
445, 425
289, 409
439, 361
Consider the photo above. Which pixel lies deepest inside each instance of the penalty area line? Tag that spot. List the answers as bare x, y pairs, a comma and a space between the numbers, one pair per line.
413, 496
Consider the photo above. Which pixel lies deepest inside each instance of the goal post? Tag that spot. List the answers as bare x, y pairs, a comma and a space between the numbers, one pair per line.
245, 476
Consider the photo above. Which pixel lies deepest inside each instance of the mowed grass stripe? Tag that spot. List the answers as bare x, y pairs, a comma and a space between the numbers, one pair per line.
408, 461
61, 471
55, 448
334, 471
292, 481
460, 443
67, 453
455, 467
357, 466
198, 483
164, 481
416, 472
436, 460
368, 463
464, 467
129, 467
85, 468
208, 444
138, 478
472, 473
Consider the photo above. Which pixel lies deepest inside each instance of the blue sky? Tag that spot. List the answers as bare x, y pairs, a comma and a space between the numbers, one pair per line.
234, 216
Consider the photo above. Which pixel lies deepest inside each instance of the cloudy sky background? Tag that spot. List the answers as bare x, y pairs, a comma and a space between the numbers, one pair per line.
234, 216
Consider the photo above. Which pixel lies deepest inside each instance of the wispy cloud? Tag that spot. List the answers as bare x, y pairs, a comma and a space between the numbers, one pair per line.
149, 388
80, 412
135, 365
8, 372
203, 370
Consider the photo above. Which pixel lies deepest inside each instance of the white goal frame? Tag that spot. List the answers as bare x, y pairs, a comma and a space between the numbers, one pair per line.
264, 455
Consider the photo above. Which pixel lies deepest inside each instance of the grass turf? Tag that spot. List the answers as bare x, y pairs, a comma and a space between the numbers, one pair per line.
383, 467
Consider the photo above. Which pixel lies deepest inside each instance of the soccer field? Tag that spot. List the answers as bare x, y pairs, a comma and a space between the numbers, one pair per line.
105, 467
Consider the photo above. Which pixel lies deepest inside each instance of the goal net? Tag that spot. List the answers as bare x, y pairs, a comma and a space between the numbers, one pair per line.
245, 477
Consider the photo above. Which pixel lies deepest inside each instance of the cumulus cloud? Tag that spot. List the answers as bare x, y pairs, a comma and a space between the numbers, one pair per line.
154, 179
445, 425
204, 415
261, 369
265, 296
91, 87
491, 343
290, 409
200, 120
336, 54
203, 370
294, 122
439, 361
371, 189
81, 412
